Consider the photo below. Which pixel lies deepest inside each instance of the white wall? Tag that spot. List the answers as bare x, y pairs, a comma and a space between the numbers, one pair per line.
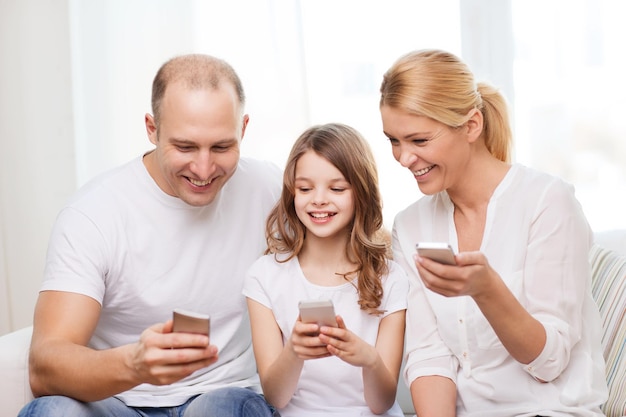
37, 168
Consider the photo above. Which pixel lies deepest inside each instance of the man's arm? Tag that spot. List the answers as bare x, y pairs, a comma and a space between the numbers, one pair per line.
62, 364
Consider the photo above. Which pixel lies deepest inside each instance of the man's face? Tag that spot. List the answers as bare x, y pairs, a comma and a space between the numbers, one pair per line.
197, 142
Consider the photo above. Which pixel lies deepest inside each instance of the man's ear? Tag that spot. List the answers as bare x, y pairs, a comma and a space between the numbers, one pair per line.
474, 125
151, 128
246, 119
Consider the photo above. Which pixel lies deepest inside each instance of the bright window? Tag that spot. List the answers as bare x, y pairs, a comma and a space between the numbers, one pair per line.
569, 103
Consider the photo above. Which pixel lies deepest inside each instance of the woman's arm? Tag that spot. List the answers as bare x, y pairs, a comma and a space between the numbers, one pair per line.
521, 334
434, 396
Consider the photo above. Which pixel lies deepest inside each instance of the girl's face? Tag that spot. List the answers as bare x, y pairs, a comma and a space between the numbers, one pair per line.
323, 198
435, 154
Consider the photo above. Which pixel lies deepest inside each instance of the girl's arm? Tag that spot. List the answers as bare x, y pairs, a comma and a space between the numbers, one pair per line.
380, 363
279, 368
279, 365
381, 380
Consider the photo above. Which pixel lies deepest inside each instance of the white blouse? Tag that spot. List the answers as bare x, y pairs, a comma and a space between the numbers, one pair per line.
537, 238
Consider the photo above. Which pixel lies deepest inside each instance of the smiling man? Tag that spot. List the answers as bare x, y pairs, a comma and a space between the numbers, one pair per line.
170, 229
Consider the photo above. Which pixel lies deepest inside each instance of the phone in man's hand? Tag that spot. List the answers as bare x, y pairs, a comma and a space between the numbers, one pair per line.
191, 322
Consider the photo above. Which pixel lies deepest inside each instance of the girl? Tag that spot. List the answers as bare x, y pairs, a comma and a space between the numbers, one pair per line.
322, 245
511, 329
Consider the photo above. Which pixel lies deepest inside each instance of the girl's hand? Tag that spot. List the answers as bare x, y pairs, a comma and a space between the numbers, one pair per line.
347, 346
471, 275
305, 341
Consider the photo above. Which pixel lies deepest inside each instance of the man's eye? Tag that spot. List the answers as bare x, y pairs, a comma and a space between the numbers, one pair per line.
394, 142
184, 148
221, 148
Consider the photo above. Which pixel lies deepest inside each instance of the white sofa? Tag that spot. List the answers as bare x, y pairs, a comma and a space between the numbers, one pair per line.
608, 258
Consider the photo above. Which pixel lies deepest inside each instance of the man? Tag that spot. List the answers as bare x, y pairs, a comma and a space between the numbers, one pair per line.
175, 228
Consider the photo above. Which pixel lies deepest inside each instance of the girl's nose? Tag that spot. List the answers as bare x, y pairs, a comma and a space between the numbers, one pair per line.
320, 197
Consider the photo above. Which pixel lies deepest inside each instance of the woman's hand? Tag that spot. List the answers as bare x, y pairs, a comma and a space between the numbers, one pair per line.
471, 275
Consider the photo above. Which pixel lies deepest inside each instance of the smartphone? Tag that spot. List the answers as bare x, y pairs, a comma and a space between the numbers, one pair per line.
437, 251
191, 322
321, 312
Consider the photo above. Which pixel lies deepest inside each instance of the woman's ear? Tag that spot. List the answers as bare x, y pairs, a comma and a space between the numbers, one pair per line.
474, 125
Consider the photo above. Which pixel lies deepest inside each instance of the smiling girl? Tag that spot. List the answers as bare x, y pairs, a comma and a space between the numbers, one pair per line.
322, 244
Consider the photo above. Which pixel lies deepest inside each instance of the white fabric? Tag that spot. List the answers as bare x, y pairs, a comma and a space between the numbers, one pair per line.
327, 386
537, 238
141, 253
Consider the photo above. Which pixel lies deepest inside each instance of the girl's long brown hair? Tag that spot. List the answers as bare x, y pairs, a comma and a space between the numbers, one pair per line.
348, 151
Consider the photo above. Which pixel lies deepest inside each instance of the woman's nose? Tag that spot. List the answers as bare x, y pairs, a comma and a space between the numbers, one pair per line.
406, 158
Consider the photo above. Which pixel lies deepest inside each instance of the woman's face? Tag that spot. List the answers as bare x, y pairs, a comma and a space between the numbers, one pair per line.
435, 154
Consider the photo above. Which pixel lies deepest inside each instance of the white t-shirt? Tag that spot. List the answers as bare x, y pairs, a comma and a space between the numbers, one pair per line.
327, 386
141, 253
537, 238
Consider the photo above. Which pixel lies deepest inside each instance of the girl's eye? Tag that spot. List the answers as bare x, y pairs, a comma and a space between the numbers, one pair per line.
303, 189
338, 190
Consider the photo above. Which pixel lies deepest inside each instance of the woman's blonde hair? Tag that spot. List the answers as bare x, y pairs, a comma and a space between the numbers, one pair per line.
348, 151
438, 85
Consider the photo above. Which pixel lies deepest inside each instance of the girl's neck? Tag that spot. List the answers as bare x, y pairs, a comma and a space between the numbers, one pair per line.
324, 261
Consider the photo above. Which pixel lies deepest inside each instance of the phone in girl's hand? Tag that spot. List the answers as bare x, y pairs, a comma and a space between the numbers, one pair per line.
437, 251
321, 312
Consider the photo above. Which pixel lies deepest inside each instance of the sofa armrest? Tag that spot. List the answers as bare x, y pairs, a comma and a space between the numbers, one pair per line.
14, 386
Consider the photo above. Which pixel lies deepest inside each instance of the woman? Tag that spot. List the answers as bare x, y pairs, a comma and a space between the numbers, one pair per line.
511, 329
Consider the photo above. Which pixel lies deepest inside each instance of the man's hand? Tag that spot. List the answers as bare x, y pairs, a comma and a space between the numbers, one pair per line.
161, 357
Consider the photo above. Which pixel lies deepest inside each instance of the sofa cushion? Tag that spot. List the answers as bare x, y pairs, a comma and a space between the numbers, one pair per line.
14, 387
609, 291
